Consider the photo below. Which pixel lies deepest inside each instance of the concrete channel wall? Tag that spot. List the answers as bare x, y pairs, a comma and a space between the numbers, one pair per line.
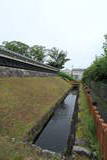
72, 136
22, 66
101, 126
34, 133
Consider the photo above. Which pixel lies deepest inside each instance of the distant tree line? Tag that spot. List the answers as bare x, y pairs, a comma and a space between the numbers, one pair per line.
98, 70
55, 57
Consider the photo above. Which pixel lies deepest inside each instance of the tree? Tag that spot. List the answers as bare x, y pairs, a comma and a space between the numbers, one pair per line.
97, 71
57, 58
35, 52
105, 44
38, 53
17, 47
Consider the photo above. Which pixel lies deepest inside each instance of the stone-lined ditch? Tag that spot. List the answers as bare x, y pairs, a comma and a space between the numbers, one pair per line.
58, 135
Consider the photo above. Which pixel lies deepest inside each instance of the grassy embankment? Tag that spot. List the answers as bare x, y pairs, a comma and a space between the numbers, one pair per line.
86, 133
23, 103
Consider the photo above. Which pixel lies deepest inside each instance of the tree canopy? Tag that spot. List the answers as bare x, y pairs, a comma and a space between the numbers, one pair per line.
35, 52
38, 53
17, 46
98, 70
57, 58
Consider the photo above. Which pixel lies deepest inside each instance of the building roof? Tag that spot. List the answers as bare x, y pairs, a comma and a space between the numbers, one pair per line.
78, 69
66, 70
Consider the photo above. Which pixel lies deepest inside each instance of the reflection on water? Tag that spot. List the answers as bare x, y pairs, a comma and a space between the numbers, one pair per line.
55, 134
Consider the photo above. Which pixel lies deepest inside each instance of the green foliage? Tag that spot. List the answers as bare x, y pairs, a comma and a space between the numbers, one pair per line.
98, 70
65, 76
105, 44
17, 47
86, 127
91, 136
38, 53
57, 58
35, 52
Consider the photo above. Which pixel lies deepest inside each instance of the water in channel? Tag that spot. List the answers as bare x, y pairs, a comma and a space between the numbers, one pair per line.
55, 135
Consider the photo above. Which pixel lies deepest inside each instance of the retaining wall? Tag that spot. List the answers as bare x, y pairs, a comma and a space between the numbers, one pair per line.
101, 126
100, 89
74, 121
14, 60
15, 72
99, 94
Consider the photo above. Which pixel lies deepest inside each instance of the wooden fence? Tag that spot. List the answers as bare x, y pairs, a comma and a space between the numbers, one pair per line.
101, 126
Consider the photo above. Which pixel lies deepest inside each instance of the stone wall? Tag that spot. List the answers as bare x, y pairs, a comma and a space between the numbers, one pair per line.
15, 60
99, 94
100, 89
15, 72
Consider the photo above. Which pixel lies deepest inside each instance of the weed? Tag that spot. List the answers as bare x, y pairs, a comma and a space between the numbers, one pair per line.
86, 128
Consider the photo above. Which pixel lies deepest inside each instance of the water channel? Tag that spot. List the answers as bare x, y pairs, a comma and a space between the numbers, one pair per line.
55, 135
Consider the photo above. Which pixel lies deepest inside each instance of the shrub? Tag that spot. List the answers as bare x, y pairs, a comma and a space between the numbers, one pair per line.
65, 76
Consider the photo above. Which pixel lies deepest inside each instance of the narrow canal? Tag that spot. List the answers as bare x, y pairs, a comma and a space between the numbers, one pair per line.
55, 135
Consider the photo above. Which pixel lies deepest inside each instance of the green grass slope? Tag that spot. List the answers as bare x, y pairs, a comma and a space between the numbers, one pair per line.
23, 103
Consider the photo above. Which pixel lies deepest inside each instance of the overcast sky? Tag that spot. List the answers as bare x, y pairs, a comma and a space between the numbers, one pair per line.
77, 26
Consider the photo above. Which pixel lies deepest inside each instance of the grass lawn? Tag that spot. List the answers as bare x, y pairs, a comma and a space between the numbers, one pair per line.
86, 132
23, 103
81, 157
